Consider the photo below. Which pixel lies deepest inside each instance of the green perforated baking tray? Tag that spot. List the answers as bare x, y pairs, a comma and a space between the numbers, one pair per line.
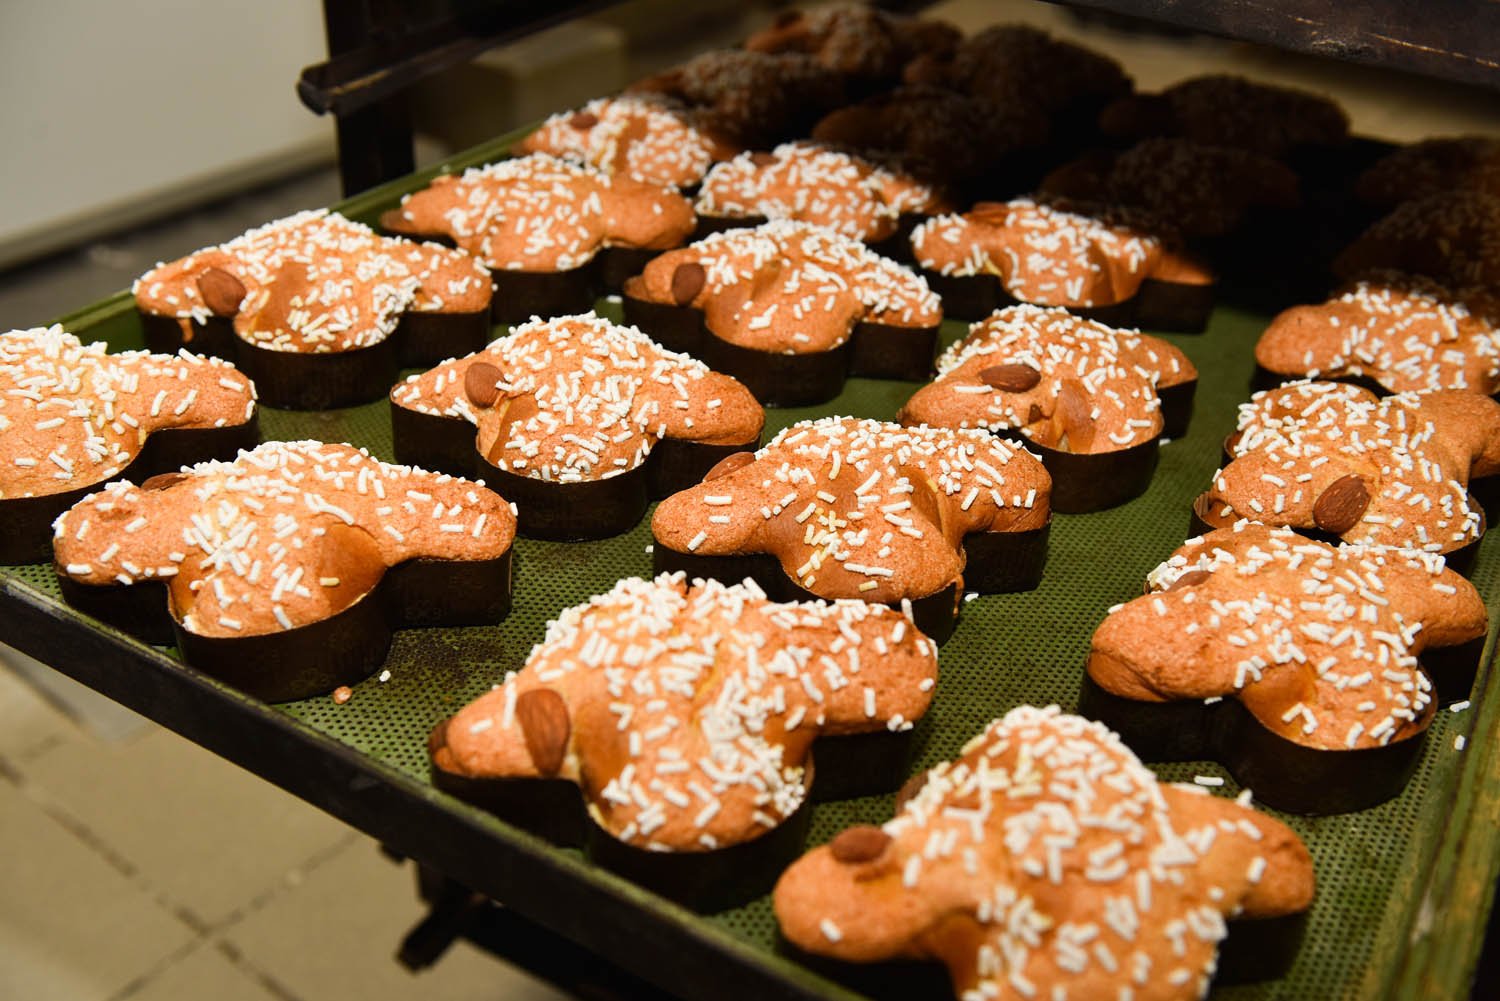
1403, 889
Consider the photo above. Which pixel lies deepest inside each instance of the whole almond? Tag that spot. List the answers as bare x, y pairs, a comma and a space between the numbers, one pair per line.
584, 120
222, 292
687, 282
162, 480
1189, 579
910, 788
1340, 507
762, 159
480, 383
543, 716
1014, 377
728, 464
859, 844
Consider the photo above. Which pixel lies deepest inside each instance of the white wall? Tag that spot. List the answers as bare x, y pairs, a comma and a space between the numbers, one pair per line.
112, 111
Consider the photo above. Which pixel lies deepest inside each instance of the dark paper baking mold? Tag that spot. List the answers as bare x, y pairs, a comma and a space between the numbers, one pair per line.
318, 657
1157, 305
702, 880
996, 562
545, 509
776, 379
1256, 949
27, 537
1280, 772
1093, 481
296, 380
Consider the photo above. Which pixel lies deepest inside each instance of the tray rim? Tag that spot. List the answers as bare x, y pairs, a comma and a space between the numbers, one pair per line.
1438, 925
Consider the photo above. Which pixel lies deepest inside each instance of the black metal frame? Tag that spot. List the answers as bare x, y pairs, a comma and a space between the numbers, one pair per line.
569, 900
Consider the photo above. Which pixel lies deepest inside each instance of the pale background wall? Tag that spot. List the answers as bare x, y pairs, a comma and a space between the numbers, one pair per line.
117, 111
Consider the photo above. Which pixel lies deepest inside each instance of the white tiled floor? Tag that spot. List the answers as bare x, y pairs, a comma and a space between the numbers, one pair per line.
146, 868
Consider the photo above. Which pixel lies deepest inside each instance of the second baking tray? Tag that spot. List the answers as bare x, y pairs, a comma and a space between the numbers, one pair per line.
1403, 888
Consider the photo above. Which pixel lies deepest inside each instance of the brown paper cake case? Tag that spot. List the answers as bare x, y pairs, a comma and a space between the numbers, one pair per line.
320, 311
546, 228
1256, 647
850, 508
285, 571
73, 417
1046, 861
789, 309
685, 715
1093, 401
1106, 264
579, 421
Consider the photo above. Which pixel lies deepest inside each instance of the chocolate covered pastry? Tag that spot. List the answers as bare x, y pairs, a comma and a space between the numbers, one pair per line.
1330, 457
318, 310
267, 554
644, 136
1403, 332
1071, 387
1047, 862
1431, 167
1452, 237
868, 47
1016, 63
1197, 190
539, 223
1224, 110
789, 309
577, 420
685, 713
848, 508
950, 139
756, 99
72, 417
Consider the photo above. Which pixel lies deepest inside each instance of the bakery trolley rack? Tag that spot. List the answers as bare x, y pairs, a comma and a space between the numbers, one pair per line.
1405, 888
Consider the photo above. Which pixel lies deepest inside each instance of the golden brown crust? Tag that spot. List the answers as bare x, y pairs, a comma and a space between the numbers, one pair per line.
648, 137
1405, 332
811, 183
1004, 867
1277, 621
579, 398
314, 282
1414, 454
862, 509
540, 213
1047, 255
72, 416
788, 287
1117, 371
289, 533
687, 712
